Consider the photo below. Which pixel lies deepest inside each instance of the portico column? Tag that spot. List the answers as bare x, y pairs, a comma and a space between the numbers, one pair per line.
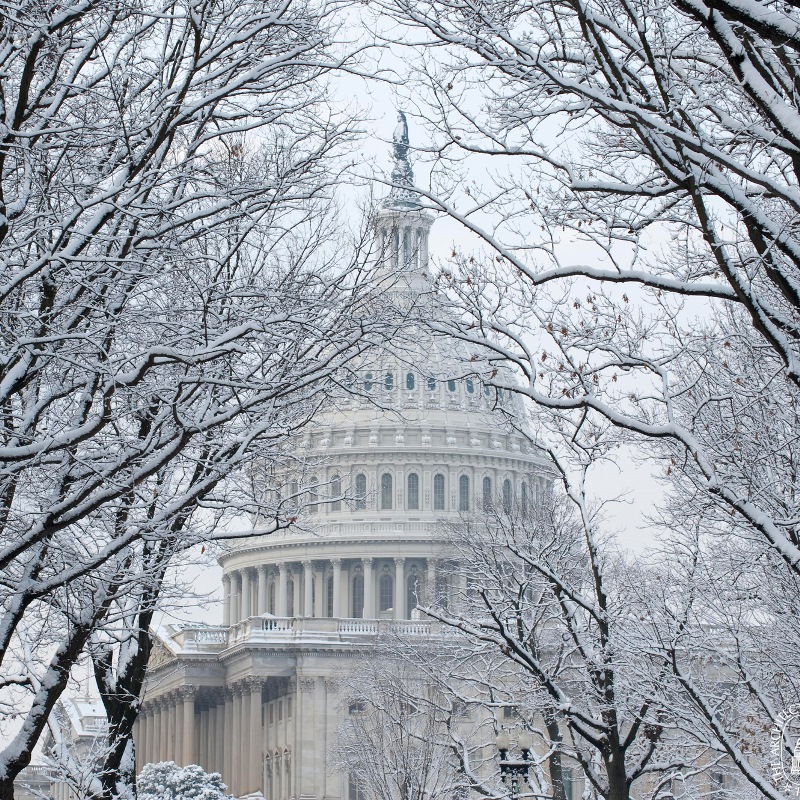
188, 726
226, 600
163, 739
321, 596
262, 591
155, 726
236, 751
227, 770
308, 585
399, 586
245, 594
169, 750
218, 723
336, 563
281, 604
255, 735
369, 589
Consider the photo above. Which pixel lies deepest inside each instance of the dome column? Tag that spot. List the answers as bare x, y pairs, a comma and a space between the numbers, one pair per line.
281, 603
369, 589
336, 563
226, 600
262, 591
308, 587
399, 586
245, 594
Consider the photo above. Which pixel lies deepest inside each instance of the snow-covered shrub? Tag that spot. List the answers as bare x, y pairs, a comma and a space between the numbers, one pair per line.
167, 781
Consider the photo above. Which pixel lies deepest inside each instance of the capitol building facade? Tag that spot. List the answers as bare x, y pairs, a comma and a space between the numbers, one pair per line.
260, 698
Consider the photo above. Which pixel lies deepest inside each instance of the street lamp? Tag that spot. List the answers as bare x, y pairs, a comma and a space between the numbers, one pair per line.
511, 769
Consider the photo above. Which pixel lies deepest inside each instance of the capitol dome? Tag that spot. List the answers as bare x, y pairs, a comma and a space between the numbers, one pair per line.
417, 441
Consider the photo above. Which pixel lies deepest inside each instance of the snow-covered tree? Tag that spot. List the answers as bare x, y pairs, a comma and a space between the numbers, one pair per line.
177, 296
167, 781
639, 211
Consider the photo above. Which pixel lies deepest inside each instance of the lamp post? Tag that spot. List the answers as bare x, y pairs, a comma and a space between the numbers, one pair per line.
511, 769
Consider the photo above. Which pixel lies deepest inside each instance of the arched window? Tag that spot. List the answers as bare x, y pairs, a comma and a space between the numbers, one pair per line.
487, 390
358, 596
388, 382
386, 491
290, 597
336, 493
361, 491
368, 382
313, 496
507, 496
524, 498
438, 492
451, 386
271, 598
293, 489
487, 493
385, 591
431, 384
470, 386
413, 491
413, 588
410, 381
463, 493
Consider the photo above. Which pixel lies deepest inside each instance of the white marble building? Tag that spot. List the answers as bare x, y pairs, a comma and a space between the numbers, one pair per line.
258, 699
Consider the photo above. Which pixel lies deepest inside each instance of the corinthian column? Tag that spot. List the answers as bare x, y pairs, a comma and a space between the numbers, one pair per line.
255, 737
262, 591
281, 602
245, 594
188, 755
399, 586
337, 587
369, 589
308, 587
226, 600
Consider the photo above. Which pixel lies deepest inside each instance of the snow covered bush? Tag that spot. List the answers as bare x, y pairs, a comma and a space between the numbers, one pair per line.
167, 781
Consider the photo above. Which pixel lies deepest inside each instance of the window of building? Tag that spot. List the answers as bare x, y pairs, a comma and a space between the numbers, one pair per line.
290, 597
385, 592
388, 382
507, 496
386, 491
524, 498
451, 386
438, 492
431, 384
413, 587
487, 390
470, 386
463, 493
336, 493
413, 491
368, 381
271, 598
510, 712
411, 381
487, 493
567, 782
329, 597
355, 791
358, 596
293, 490
356, 707
361, 491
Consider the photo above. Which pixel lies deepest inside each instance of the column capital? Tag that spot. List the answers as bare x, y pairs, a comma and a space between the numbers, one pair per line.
187, 692
308, 563
400, 560
367, 562
336, 562
282, 567
262, 569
